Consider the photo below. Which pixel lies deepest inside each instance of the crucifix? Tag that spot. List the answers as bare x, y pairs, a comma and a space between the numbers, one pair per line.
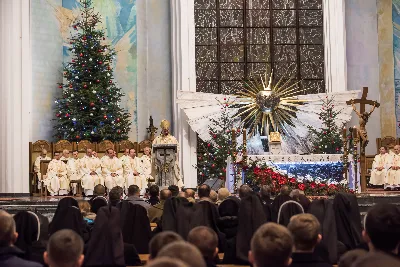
362, 130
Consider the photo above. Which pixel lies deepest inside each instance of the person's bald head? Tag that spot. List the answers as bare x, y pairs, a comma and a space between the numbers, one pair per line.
204, 191
244, 191
165, 194
191, 255
396, 149
189, 193
43, 153
8, 235
285, 190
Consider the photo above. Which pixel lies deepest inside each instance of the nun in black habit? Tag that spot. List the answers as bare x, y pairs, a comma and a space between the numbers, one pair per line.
168, 220
251, 216
348, 220
228, 220
276, 204
68, 216
106, 247
287, 211
135, 226
97, 203
322, 209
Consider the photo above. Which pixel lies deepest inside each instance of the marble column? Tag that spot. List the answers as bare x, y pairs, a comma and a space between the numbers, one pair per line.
184, 79
386, 69
15, 95
335, 45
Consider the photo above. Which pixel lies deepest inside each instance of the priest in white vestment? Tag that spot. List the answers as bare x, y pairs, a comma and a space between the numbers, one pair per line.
56, 179
132, 170
393, 174
145, 162
91, 172
65, 155
125, 157
112, 170
74, 170
36, 165
166, 138
378, 172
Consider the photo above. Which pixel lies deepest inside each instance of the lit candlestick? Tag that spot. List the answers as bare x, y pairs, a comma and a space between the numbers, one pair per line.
344, 133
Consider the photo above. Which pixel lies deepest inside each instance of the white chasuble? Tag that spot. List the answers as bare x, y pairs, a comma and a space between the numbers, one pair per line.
90, 172
112, 172
377, 174
393, 176
169, 139
145, 163
73, 168
132, 166
56, 177
36, 165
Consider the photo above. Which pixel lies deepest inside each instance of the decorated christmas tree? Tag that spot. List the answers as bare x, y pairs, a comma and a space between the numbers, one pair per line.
211, 159
90, 104
327, 139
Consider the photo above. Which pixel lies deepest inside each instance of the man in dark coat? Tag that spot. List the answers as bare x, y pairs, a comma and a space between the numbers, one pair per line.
305, 230
65, 248
134, 197
156, 212
10, 255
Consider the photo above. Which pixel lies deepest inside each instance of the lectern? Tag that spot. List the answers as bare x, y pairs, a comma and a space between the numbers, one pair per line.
164, 161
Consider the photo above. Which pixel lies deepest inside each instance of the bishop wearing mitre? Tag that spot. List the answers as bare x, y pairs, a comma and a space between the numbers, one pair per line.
111, 168
166, 138
393, 174
132, 170
36, 165
56, 179
90, 167
378, 172
145, 163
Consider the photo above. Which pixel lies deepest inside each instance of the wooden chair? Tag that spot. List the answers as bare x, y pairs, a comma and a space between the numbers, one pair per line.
103, 146
44, 165
124, 144
142, 145
82, 145
34, 151
388, 141
61, 145
369, 159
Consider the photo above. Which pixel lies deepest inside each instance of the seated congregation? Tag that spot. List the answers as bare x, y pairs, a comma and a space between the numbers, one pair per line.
202, 229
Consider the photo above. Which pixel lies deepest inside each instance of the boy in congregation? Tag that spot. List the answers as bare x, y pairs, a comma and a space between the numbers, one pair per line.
305, 230
206, 240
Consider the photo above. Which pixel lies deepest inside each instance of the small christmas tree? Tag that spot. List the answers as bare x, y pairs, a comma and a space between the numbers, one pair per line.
327, 139
90, 104
211, 160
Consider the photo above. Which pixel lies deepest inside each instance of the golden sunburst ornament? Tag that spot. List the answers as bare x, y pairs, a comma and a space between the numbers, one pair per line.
269, 106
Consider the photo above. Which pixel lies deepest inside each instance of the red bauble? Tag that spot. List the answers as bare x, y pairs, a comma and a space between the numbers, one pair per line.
214, 136
118, 119
67, 115
224, 98
208, 145
110, 81
108, 67
213, 165
97, 81
70, 86
73, 60
105, 116
58, 115
71, 42
77, 137
60, 86
337, 149
100, 51
81, 55
100, 62
85, 86
83, 65
119, 131
84, 38
92, 104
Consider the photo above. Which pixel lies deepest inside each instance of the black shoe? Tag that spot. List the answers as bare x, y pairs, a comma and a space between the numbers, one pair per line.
388, 189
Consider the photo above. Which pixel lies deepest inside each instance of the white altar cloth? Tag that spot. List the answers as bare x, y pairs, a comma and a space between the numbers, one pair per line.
295, 158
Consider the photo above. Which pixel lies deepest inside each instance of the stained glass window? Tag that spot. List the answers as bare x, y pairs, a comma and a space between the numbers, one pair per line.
238, 40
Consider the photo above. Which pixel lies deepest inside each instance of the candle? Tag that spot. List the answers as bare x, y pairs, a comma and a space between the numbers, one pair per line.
344, 132
244, 136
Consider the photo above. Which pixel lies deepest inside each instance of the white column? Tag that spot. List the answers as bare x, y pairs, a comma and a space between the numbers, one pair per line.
335, 45
15, 95
184, 79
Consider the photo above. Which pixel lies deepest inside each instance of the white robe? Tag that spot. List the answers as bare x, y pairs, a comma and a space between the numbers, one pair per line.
56, 177
73, 168
393, 176
145, 163
130, 166
64, 158
112, 166
169, 139
378, 176
124, 159
87, 166
36, 165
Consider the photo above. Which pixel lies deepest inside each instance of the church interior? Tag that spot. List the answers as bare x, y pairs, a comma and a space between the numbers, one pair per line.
288, 108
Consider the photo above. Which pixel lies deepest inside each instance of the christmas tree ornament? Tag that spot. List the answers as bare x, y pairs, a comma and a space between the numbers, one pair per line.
60, 86
90, 59
72, 95
92, 104
85, 86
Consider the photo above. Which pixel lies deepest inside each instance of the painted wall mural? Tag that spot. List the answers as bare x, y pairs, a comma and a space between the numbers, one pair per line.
396, 54
52, 20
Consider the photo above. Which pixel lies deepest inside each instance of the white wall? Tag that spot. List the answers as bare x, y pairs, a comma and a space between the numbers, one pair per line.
362, 58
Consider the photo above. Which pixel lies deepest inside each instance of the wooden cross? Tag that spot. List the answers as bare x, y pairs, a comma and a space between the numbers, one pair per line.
363, 101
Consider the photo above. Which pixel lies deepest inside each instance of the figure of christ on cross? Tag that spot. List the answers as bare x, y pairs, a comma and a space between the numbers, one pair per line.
363, 116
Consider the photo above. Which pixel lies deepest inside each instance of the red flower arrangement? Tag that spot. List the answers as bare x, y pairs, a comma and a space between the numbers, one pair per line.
262, 174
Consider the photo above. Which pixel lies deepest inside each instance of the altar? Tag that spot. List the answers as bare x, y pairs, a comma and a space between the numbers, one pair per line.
321, 167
